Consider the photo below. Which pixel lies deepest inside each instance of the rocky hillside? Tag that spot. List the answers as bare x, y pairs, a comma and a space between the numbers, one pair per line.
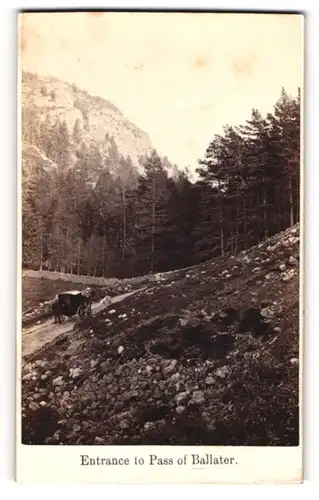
50, 100
208, 355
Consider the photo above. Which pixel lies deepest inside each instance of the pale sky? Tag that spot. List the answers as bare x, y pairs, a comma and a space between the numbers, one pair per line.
179, 77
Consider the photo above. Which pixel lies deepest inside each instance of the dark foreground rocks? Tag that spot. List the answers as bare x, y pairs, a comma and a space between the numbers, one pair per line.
206, 356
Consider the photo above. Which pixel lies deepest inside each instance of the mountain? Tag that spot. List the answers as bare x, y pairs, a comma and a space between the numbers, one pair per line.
48, 102
207, 355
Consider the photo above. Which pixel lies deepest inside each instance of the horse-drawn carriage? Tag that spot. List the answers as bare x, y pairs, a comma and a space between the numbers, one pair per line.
72, 303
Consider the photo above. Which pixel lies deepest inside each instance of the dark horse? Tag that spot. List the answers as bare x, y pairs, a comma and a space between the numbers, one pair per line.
57, 310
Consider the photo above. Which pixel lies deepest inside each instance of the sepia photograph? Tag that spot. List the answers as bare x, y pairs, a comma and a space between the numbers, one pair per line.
161, 217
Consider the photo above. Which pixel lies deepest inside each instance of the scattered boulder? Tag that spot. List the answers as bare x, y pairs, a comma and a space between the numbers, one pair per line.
288, 275
222, 372
181, 397
180, 409
76, 372
267, 312
198, 397
209, 381
57, 381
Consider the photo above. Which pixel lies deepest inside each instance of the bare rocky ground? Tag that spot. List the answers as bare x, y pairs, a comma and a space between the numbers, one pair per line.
204, 356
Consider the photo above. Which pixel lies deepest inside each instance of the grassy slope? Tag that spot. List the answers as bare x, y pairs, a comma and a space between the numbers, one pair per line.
199, 330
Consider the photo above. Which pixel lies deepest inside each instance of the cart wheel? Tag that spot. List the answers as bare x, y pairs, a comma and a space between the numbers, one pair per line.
89, 310
80, 313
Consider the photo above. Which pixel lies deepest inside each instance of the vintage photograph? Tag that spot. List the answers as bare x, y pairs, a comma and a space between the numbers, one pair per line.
161, 205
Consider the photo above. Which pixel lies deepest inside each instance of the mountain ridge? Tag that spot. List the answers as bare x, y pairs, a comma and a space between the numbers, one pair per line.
48, 101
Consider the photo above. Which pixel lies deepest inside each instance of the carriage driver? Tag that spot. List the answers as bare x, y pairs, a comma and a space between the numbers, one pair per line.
88, 294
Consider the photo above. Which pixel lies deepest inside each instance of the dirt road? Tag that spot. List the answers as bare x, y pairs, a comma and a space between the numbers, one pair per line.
36, 336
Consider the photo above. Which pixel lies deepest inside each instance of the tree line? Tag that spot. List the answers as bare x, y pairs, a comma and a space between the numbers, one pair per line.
100, 216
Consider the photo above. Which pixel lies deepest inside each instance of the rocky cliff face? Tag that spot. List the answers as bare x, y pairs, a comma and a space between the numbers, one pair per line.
50, 100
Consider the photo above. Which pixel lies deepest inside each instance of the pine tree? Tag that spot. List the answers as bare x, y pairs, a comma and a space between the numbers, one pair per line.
249, 181
286, 124
37, 211
152, 197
